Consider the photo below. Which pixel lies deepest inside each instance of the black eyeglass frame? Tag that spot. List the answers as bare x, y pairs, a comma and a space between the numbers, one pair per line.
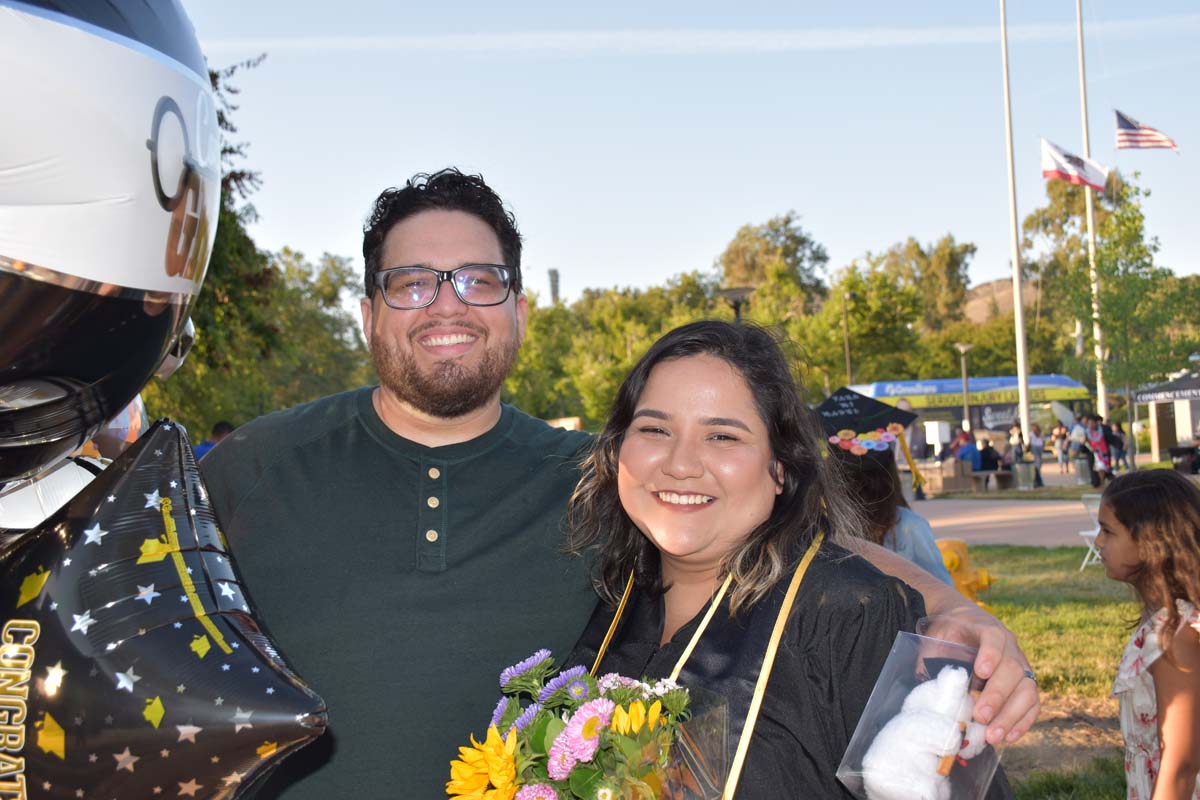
444, 276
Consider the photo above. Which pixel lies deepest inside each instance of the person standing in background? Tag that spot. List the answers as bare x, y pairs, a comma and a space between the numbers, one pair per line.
219, 432
1117, 444
1061, 440
1037, 444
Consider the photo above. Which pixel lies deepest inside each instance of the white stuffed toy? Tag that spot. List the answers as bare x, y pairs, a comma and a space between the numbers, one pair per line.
911, 757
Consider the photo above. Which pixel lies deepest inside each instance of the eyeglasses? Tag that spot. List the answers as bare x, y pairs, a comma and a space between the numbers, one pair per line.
407, 288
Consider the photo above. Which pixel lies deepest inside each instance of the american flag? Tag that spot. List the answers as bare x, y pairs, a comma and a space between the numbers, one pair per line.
1133, 134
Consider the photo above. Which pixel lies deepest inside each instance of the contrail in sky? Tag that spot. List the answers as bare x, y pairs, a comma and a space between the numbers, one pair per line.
698, 42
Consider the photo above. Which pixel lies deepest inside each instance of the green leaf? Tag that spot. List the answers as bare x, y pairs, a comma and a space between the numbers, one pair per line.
584, 780
537, 734
554, 726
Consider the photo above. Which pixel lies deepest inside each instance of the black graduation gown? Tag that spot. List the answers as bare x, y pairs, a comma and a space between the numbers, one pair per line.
845, 618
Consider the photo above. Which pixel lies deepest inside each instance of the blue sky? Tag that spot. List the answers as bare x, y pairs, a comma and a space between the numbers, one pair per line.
633, 142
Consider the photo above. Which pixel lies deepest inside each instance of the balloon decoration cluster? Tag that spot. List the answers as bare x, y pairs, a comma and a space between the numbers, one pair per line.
109, 205
131, 664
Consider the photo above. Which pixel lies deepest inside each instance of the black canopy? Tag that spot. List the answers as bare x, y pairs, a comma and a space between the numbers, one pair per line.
1184, 388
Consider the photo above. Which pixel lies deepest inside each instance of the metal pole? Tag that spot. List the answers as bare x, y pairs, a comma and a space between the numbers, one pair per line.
966, 397
846, 339
1015, 238
1093, 275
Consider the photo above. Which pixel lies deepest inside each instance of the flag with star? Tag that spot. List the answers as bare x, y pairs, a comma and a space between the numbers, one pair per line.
130, 639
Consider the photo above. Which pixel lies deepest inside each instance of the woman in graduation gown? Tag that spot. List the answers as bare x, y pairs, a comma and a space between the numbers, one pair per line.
716, 531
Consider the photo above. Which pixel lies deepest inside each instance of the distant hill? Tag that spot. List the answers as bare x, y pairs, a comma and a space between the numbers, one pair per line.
985, 299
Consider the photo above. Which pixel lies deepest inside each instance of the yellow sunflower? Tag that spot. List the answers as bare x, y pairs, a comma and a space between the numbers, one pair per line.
485, 771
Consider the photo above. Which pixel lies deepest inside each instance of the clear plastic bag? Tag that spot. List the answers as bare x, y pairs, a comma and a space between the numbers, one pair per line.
915, 740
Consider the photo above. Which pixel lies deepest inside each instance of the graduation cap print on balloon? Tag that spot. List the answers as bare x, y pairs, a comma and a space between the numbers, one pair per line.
131, 664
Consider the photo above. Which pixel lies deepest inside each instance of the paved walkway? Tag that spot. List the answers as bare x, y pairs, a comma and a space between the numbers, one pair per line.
1042, 523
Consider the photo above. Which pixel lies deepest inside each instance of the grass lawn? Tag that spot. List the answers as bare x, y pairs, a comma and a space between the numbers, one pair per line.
1073, 626
1104, 779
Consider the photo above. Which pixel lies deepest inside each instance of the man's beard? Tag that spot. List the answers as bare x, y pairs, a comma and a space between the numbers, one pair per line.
449, 389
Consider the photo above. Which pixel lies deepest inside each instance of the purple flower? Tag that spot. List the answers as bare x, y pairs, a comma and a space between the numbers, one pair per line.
498, 714
521, 667
578, 690
527, 716
537, 791
560, 682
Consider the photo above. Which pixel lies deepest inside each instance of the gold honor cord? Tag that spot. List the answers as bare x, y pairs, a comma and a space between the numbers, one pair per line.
918, 480
189, 588
764, 674
612, 627
708, 615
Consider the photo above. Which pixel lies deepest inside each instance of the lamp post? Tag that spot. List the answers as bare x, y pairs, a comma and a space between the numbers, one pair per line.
963, 349
736, 296
846, 298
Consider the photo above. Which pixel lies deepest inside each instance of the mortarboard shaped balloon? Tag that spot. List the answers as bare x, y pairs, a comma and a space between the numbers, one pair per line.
860, 424
131, 664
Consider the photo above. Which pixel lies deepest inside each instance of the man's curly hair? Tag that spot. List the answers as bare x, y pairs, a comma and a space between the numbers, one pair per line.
447, 190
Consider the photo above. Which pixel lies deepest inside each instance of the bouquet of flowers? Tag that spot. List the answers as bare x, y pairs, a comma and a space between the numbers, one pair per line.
569, 736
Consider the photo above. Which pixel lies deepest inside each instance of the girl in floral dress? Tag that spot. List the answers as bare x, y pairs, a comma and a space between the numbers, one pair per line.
1150, 538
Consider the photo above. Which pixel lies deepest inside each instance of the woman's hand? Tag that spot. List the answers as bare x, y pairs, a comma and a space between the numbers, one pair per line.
1009, 703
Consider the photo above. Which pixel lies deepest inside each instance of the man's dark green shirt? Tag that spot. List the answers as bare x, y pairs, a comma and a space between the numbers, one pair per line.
398, 579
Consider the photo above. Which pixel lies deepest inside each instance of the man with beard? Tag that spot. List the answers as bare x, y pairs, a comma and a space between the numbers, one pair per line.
403, 542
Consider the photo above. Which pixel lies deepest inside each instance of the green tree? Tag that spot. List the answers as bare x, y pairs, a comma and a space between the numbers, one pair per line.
1055, 256
539, 383
616, 326
1139, 302
994, 351
881, 316
779, 245
939, 272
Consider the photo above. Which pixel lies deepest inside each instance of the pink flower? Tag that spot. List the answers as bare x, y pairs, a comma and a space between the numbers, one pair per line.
560, 759
582, 734
537, 791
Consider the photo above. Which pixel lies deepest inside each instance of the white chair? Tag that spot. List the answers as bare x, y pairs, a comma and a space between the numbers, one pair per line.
1091, 502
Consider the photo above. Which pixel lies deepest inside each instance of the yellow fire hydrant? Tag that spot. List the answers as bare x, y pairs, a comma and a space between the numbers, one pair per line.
967, 579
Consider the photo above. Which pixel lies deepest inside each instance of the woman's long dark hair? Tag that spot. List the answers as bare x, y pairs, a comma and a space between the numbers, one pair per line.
1161, 510
811, 499
873, 481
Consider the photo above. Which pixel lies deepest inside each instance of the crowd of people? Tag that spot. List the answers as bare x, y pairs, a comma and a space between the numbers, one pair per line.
1102, 444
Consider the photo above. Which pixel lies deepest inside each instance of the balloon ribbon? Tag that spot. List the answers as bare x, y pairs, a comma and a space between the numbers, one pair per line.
189, 588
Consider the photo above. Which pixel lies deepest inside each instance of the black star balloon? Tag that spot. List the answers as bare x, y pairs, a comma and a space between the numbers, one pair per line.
131, 664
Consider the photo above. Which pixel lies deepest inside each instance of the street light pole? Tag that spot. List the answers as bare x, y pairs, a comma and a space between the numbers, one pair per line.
846, 298
963, 348
736, 296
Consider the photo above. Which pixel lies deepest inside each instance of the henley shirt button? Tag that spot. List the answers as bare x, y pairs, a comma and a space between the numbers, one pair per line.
432, 502
435, 473
431, 536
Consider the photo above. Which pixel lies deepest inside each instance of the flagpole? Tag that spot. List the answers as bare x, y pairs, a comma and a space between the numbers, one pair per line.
1015, 240
1093, 275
